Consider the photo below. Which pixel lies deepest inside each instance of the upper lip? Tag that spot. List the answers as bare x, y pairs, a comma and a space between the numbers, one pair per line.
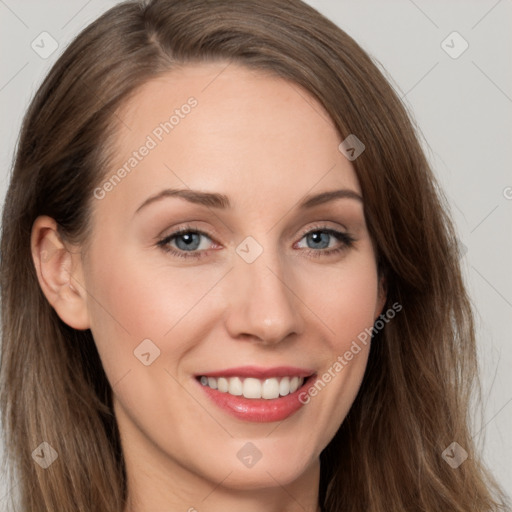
260, 372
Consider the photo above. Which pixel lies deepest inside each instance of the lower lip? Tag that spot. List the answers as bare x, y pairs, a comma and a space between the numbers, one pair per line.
258, 409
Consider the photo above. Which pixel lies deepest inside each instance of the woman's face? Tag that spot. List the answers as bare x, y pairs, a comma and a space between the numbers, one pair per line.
274, 284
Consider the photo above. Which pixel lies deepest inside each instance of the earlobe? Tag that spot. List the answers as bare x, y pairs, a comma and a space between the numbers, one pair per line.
59, 272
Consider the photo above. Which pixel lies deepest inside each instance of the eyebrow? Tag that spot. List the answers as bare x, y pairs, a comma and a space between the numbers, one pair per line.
221, 201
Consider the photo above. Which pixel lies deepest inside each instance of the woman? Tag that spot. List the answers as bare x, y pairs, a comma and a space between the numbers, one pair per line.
181, 341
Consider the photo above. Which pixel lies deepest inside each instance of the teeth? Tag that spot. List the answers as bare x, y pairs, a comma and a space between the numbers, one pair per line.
250, 387
222, 384
235, 386
284, 386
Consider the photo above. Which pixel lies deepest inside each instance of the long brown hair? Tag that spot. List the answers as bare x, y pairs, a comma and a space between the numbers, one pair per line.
422, 371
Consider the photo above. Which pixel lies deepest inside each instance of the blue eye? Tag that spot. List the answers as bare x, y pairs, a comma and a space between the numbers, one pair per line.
185, 239
187, 242
190, 241
320, 239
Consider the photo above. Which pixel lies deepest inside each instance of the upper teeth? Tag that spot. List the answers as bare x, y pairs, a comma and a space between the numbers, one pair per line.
250, 387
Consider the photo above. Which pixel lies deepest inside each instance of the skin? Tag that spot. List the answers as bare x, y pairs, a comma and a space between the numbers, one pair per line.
265, 143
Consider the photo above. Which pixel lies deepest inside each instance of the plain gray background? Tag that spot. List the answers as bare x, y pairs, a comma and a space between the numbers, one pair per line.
462, 105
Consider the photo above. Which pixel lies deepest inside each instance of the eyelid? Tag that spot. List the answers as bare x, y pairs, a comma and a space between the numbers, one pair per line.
163, 240
182, 227
322, 227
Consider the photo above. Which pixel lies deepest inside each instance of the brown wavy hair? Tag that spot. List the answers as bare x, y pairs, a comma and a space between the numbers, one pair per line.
422, 370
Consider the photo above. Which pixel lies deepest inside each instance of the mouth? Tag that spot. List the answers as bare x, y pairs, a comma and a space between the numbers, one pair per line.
257, 394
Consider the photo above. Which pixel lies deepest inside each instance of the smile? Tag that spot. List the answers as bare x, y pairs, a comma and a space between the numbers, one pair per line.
257, 394
253, 388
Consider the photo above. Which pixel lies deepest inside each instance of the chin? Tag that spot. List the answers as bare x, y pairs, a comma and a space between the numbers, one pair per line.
273, 468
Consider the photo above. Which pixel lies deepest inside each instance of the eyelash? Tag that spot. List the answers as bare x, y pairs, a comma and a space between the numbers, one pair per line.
346, 240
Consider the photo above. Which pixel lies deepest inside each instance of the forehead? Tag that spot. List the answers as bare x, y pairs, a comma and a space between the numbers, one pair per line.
226, 128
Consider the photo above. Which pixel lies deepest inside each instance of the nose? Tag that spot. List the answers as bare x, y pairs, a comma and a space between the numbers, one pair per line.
263, 304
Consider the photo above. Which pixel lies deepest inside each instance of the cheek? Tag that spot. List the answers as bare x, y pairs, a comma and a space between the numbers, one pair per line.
132, 298
344, 299
145, 300
347, 305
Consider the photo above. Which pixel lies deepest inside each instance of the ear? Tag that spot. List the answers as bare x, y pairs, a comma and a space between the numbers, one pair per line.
59, 272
